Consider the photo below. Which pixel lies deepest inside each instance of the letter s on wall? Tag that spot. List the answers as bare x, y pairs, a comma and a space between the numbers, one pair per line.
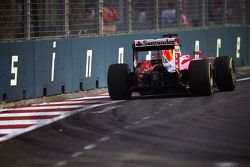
14, 70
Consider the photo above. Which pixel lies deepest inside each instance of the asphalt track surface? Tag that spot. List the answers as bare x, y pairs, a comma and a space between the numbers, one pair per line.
164, 131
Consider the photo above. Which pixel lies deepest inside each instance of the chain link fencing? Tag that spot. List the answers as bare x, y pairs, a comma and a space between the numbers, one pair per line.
34, 19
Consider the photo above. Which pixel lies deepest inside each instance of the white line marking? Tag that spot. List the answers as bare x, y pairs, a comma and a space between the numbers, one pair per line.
61, 163
107, 109
89, 147
76, 154
90, 98
137, 122
23, 122
162, 108
103, 139
226, 164
8, 131
31, 114
69, 103
146, 117
127, 127
117, 132
43, 107
243, 79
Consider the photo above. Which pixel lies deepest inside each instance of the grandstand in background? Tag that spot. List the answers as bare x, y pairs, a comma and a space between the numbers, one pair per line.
36, 19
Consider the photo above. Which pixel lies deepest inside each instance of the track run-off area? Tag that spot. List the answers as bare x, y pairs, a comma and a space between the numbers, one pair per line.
16, 121
149, 131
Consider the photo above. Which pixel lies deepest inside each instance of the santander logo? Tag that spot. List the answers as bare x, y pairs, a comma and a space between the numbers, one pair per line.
154, 42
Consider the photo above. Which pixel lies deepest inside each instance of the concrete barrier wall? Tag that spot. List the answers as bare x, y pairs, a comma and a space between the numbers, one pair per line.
33, 69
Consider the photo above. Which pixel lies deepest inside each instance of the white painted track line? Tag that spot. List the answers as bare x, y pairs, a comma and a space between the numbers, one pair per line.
77, 154
70, 103
44, 107
89, 147
226, 164
103, 139
107, 109
22, 122
243, 79
8, 131
61, 163
31, 114
92, 97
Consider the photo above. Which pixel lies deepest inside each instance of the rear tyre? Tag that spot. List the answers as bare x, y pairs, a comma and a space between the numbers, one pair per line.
201, 77
118, 82
225, 73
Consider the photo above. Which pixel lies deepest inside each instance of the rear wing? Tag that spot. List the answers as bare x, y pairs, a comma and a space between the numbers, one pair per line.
165, 43
154, 44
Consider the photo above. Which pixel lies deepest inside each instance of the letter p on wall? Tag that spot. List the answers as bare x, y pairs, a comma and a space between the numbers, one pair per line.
238, 48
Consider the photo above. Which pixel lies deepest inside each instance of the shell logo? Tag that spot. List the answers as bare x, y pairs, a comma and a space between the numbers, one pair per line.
167, 54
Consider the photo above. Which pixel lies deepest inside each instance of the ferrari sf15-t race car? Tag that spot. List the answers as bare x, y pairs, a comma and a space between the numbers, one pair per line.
166, 70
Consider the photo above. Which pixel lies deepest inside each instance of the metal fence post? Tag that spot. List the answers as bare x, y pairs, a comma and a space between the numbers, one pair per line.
179, 13
28, 19
244, 12
129, 16
66, 18
100, 17
157, 14
203, 13
225, 12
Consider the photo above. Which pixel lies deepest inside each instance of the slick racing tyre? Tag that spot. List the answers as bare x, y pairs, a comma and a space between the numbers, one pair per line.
201, 77
225, 73
118, 82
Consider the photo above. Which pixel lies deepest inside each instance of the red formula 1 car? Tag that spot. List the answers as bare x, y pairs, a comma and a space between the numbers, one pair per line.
166, 70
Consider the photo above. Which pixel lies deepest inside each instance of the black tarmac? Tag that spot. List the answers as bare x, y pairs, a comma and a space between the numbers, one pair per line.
158, 131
